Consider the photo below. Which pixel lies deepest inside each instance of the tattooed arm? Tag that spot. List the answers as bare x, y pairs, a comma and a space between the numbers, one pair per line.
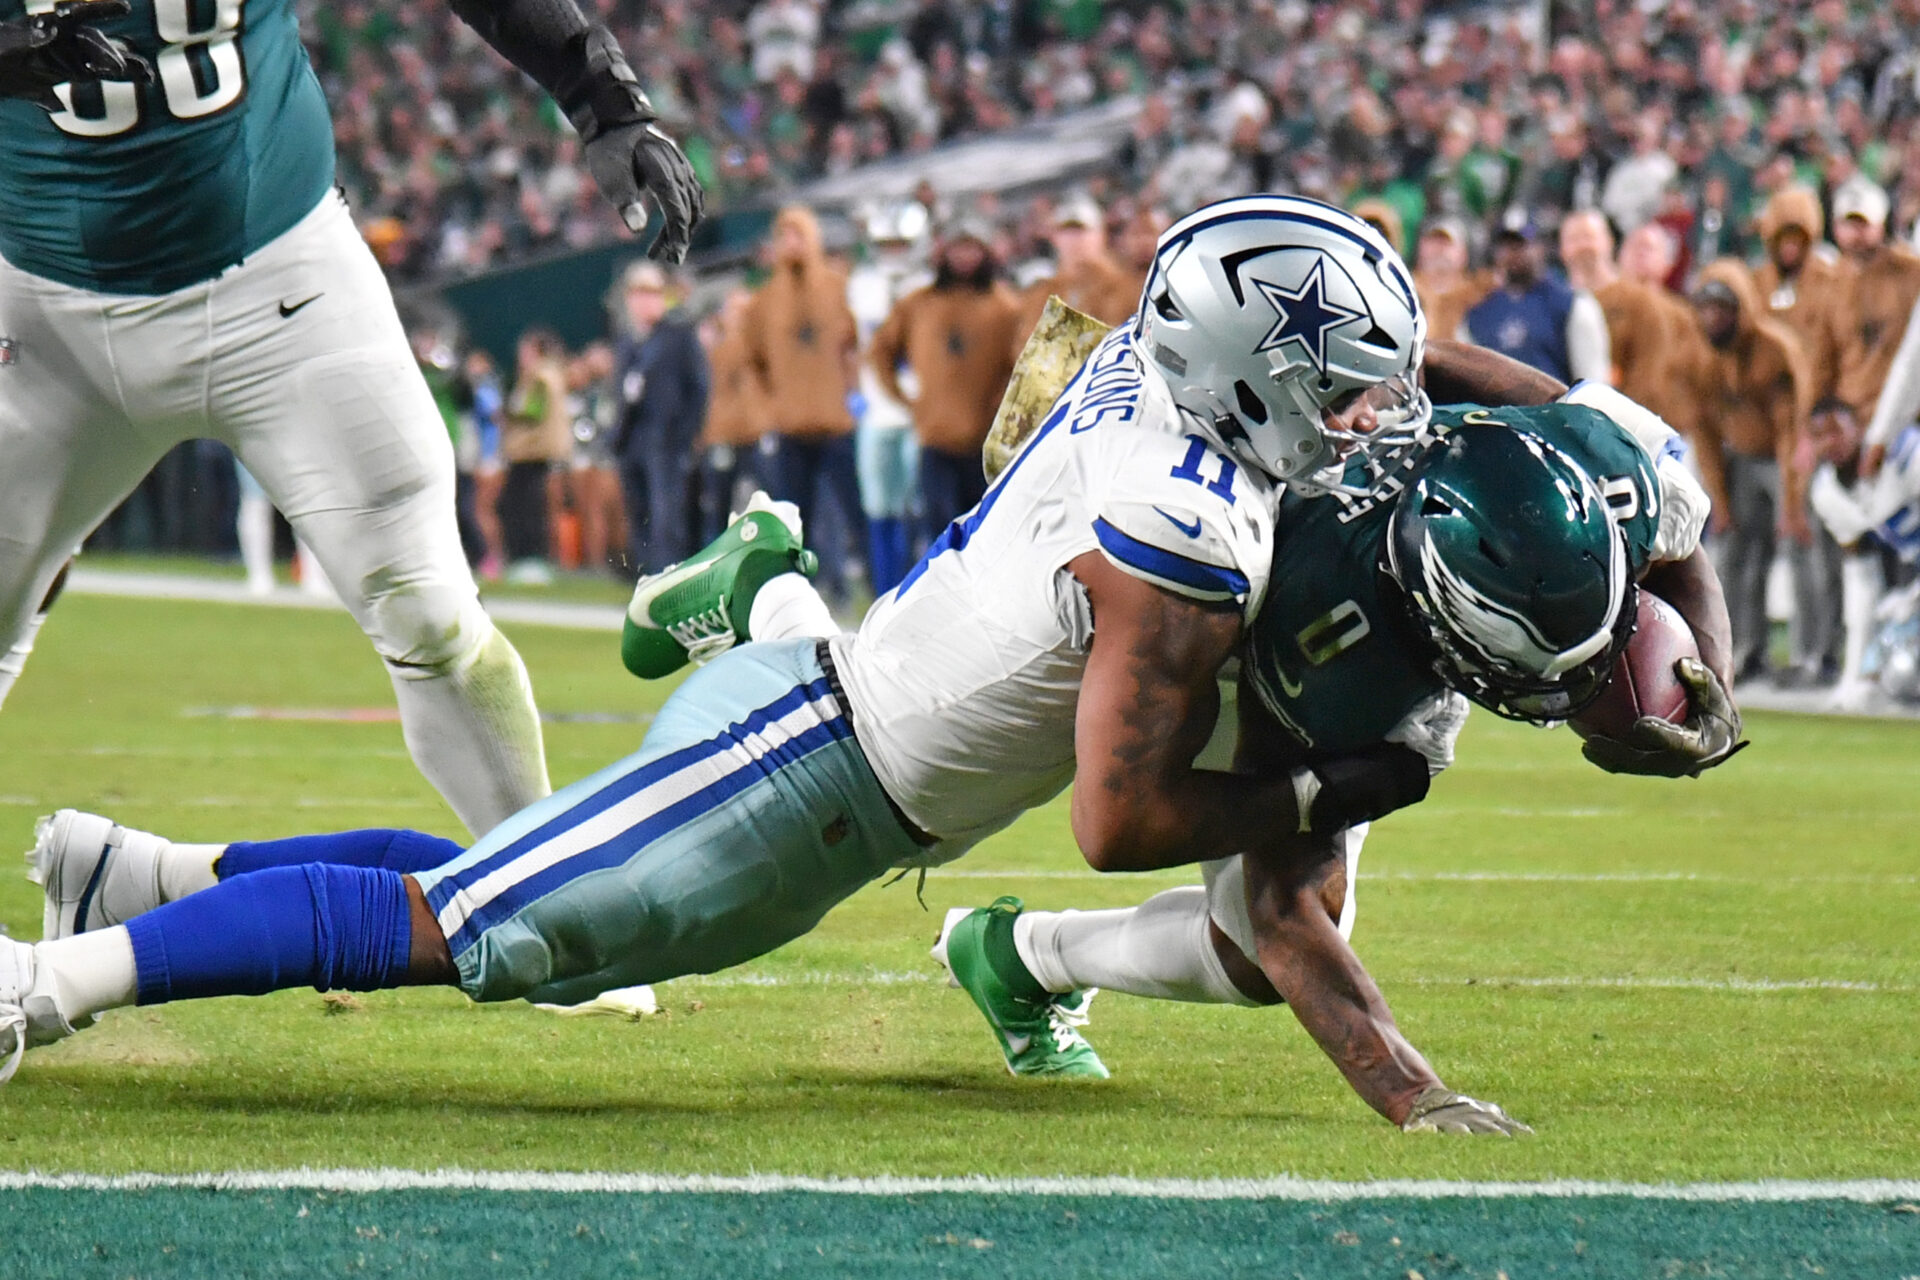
1148, 704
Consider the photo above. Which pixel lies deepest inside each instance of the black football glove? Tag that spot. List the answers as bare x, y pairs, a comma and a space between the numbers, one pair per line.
626, 152
1657, 748
1342, 791
42, 50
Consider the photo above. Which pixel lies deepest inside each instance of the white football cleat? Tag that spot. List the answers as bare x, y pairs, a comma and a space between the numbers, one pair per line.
28, 1016
96, 873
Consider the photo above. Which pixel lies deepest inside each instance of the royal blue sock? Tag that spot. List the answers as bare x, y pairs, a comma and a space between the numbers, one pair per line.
315, 925
887, 552
389, 850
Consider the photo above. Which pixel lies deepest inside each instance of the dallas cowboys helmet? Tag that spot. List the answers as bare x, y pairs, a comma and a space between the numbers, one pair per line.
1263, 311
1514, 569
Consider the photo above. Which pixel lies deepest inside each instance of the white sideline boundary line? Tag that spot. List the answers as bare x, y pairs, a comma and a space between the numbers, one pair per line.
166, 586
1732, 986
360, 1181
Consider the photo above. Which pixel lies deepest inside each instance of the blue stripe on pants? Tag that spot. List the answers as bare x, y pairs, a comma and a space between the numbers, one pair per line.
631, 840
570, 806
745, 842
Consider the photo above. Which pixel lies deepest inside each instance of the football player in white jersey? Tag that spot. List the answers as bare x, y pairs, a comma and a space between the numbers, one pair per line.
1074, 624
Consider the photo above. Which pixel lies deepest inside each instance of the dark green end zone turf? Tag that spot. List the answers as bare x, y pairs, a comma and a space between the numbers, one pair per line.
195, 1233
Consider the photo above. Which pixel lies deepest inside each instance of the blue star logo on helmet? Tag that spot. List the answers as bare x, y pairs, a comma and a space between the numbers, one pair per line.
1305, 315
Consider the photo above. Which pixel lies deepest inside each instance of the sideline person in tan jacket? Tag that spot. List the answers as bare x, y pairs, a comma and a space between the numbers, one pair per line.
803, 344
957, 335
1753, 394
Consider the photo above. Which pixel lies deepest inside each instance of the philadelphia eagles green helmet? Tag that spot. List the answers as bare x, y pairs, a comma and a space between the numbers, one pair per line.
1515, 571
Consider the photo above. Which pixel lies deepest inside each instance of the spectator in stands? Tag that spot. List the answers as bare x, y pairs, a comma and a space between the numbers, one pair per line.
1536, 317
1641, 329
1753, 398
803, 343
737, 414
663, 389
1447, 289
1085, 276
1634, 187
957, 336
536, 436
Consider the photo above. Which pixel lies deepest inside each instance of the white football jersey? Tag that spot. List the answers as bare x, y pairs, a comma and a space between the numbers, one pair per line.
965, 679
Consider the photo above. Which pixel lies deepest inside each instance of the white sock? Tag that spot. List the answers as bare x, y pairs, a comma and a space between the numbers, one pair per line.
254, 527
14, 660
186, 869
90, 972
1161, 949
789, 608
475, 733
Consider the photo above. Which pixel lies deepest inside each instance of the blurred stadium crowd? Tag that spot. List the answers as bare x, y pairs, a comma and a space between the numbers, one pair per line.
1709, 205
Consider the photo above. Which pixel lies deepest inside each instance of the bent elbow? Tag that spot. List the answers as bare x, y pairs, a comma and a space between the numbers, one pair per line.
1118, 842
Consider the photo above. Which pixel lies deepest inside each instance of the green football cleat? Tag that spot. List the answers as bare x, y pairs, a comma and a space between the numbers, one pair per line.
1037, 1037
698, 609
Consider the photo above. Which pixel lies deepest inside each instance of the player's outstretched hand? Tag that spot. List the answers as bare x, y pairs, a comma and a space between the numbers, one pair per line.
636, 159
42, 50
1658, 748
627, 154
1441, 1110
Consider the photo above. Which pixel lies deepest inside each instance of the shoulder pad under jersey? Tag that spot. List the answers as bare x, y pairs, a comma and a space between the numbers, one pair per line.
1185, 517
1683, 502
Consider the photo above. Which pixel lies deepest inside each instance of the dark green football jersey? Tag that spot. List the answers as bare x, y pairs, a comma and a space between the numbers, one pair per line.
1327, 655
151, 189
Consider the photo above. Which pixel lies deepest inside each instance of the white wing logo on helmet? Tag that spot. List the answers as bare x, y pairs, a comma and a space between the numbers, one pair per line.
1306, 315
1503, 637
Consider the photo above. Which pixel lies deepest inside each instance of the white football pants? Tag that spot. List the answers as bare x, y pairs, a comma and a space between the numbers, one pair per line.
296, 360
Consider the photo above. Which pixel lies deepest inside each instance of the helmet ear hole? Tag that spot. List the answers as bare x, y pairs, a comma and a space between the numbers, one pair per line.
1251, 406
1167, 308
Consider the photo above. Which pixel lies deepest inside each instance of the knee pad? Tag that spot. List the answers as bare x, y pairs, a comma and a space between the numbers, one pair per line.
425, 631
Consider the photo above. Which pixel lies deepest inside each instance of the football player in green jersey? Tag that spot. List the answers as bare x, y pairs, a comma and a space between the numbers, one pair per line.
175, 263
1497, 562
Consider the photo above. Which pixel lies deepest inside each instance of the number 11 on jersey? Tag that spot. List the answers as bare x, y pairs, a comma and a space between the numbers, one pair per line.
1189, 469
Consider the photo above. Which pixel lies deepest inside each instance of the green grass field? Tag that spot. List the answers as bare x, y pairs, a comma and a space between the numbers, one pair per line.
1673, 982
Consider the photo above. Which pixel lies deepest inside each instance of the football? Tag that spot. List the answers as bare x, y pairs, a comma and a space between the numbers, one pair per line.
1643, 682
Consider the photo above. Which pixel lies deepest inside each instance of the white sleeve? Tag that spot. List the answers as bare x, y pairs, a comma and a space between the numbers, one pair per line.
1684, 505
1899, 400
1589, 346
1187, 519
1850, 513
1842, 512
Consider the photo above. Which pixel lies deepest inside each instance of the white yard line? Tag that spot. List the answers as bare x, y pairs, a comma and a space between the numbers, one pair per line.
1870, 1191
